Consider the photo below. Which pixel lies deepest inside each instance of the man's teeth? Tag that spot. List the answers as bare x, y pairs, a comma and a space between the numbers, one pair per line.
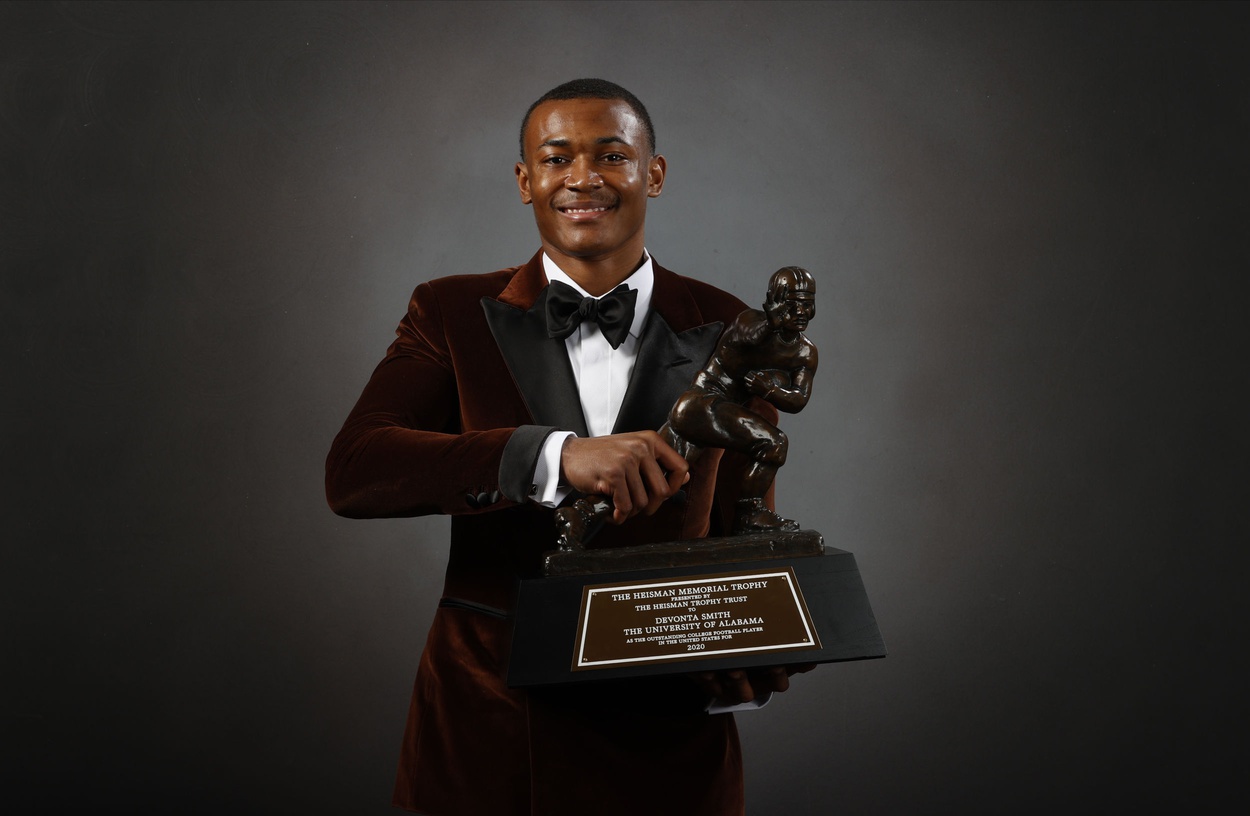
590, 210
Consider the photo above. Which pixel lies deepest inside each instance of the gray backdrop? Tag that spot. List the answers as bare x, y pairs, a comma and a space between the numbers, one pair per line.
1028, 223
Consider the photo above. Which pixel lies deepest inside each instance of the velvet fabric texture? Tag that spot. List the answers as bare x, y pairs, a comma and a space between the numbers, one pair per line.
429, 434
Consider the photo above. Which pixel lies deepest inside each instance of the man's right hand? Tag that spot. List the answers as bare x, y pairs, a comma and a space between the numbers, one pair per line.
637, 471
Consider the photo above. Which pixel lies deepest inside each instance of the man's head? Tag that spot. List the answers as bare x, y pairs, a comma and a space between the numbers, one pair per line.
588, 169
791, 301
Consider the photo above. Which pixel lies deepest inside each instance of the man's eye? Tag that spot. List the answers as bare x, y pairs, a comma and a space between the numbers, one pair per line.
555, 160
614, 157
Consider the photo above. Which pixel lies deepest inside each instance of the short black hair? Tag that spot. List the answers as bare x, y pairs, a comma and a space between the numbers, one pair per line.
593, 89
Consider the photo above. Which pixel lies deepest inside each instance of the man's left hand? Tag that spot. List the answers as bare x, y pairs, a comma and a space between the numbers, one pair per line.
737, 686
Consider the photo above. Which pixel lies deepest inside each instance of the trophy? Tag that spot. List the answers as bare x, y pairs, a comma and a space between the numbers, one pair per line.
769, 594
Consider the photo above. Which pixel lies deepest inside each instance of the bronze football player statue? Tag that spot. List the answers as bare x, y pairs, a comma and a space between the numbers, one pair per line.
762, 354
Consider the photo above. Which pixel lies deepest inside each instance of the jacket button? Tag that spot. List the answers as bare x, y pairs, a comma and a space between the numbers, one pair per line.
494, 496
483, 500
470, 500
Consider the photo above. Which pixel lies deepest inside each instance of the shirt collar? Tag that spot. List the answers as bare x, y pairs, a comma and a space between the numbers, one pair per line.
643, 280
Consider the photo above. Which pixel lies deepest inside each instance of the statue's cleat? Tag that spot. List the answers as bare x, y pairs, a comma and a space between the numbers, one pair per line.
754, 517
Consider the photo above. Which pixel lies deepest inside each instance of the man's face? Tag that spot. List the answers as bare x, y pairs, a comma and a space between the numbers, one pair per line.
797, 310
588, 171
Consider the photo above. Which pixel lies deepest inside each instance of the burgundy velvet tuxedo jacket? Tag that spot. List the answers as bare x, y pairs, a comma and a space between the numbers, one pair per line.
452, 421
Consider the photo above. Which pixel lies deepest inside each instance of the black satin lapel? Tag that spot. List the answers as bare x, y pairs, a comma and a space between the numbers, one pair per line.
539, 364
666, 364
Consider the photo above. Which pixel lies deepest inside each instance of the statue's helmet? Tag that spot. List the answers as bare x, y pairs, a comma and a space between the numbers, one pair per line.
789, 279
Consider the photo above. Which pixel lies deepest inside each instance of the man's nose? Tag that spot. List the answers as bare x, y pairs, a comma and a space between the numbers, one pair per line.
583, 175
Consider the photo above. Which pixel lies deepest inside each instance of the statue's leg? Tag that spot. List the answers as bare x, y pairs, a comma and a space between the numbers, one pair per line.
577, 523
758, 478
745, 431
741, 429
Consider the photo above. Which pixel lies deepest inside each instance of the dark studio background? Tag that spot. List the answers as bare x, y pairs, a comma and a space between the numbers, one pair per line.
1028, 223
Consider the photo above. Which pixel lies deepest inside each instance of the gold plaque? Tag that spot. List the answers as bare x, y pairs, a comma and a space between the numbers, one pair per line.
692, 618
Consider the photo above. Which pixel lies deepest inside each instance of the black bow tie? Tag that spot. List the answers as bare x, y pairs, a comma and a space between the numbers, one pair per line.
614, 312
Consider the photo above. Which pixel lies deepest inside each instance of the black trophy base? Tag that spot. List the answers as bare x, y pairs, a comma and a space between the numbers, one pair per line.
695, 552
550, 636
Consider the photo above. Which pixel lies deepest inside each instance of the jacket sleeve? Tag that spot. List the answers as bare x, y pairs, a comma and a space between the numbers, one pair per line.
402, 451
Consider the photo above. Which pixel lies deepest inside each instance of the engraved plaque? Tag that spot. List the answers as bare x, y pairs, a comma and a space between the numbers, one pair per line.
570, 629
692, 618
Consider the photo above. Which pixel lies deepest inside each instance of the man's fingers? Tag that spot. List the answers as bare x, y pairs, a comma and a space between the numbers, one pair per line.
622, 504
710, 683
743, 686
677, 478
738, 686
670, 460
637, 492
658, 486
643, 477
773, 678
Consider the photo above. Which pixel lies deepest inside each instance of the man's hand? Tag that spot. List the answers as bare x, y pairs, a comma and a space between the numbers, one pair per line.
637, 471
744, 685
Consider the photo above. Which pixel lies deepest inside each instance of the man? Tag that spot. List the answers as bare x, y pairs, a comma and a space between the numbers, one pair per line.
501, 395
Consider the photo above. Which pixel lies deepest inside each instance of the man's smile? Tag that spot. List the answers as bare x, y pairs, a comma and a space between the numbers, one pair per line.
584, 210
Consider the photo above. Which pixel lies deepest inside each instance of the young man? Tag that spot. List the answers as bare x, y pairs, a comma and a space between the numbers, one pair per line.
502, 394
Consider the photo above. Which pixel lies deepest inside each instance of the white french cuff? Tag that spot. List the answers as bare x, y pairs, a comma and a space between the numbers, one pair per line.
758, 702
547, 488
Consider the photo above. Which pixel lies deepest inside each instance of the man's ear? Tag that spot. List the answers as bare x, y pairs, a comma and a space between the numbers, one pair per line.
655, 176
523, 183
